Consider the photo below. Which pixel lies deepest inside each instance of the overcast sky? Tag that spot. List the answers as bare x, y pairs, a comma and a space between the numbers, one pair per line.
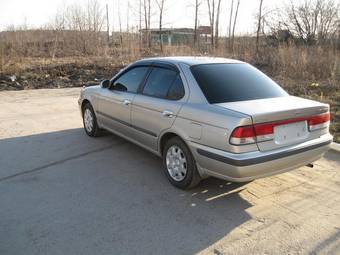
179, 13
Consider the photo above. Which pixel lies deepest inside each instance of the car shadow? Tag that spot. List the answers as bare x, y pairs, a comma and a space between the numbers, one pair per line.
65, 193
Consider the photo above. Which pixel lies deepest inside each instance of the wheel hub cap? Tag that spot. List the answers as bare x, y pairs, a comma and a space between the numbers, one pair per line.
176, 163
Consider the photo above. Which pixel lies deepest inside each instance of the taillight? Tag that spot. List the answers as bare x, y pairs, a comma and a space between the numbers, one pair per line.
243, 135
252, 133
265, 131
319, 121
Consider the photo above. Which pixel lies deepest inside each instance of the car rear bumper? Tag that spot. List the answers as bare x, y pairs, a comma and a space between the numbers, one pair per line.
252, 165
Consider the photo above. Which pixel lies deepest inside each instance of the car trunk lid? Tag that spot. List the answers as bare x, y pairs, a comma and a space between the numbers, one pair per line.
287, 116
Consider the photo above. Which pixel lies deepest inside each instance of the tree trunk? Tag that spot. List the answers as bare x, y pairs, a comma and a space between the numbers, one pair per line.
140, 25
120, 25
196, 21
235, 18
107, 24
211, 10
160, 25
230, 20
258, 27
217, 23
146, 23
149, 17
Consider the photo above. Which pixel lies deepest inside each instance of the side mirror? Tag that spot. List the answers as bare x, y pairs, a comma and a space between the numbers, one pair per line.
105, 84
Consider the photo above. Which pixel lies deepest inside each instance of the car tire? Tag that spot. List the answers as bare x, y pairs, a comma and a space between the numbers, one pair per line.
90, 121
179, 164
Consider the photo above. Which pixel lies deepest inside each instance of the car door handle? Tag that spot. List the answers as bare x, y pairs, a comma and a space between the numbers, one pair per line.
126, 102
168, 114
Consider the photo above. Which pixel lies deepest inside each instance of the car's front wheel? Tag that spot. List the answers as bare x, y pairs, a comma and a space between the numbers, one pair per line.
90, 121
179, 164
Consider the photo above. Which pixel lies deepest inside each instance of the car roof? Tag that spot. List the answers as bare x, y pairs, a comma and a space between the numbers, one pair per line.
189, 60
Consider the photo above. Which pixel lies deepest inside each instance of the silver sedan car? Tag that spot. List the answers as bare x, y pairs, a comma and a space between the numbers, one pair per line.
208, 117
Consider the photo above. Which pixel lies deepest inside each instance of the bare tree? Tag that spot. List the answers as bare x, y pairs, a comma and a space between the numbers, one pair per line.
120, 24
217, 23
235, 19
149, 23
312, 20
309, 22
107, 23
228, 41
197, 4
140, 24
258, 26
211, 12
113, 17
95, 17
147, 17
160, 4
128, 17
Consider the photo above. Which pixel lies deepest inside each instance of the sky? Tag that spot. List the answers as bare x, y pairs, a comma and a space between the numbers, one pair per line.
178, 13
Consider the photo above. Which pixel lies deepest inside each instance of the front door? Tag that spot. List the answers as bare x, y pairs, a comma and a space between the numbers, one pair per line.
114, 109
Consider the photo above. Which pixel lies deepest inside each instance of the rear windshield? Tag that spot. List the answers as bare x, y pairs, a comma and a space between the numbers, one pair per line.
223, 83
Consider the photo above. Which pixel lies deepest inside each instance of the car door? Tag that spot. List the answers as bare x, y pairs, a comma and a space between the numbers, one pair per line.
114, 107
154, 109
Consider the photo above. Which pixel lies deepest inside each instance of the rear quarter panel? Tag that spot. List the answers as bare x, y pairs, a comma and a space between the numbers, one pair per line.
211, 126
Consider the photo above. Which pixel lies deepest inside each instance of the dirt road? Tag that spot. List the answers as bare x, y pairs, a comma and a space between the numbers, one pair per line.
62, 192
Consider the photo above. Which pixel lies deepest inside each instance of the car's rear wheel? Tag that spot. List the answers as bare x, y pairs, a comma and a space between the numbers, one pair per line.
179, 164
90, 121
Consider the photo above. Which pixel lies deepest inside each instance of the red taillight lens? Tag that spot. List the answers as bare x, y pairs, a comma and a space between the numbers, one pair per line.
265, 132
242, 132
319, 121
243, 135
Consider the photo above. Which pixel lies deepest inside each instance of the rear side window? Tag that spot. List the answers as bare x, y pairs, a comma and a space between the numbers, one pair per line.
164, 83
221, 83
176, 91
131, 80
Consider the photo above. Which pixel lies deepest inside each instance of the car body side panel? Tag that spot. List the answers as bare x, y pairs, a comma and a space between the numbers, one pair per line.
211, 125
147, 116
112, 112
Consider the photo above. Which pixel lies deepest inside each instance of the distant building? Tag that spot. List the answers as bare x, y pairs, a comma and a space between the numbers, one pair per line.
176, 36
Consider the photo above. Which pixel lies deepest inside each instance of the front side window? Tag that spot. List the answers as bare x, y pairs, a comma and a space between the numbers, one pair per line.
221, 83
130, 80
164, 83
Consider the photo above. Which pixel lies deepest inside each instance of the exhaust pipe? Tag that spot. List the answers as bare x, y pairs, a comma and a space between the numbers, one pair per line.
310, 165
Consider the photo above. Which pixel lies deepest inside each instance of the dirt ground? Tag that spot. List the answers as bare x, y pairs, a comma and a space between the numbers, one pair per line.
62, 192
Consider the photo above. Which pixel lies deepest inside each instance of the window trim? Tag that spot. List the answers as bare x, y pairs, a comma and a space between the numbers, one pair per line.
163, 66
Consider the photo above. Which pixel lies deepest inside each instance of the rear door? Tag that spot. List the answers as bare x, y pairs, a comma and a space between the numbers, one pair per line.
115, 103
154, 109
